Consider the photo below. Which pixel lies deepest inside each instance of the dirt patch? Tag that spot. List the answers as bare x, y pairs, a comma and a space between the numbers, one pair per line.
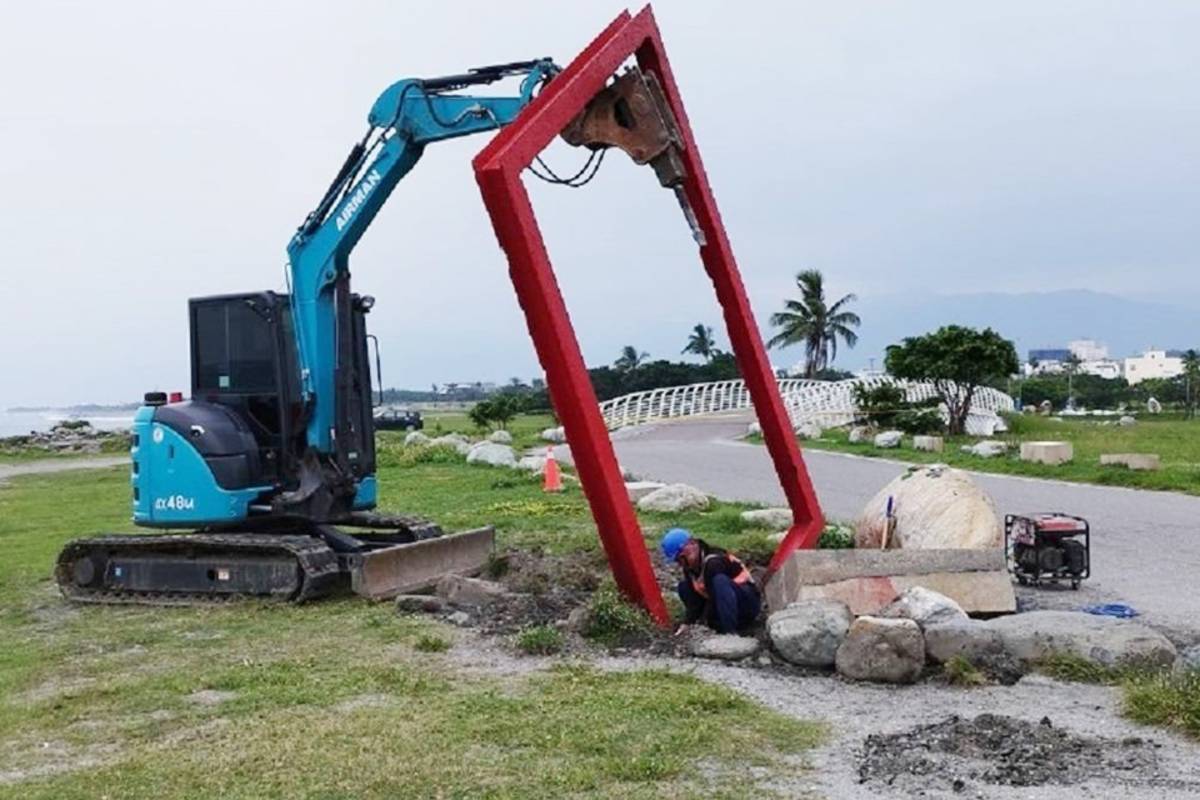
210, 697
997, 750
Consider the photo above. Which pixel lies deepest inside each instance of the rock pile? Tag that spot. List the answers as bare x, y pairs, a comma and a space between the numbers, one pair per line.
923, 627
68, 436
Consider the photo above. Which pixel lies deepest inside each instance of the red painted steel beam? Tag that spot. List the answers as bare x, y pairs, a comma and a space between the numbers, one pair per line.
498, 170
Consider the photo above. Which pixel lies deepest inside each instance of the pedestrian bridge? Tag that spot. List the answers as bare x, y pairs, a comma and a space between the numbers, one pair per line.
824, 403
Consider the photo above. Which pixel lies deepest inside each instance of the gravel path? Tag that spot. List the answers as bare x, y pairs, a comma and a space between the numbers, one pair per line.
1145, 547
50, 465
855, 710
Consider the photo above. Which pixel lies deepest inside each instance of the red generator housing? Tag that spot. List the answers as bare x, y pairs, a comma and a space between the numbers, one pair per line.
1047, 547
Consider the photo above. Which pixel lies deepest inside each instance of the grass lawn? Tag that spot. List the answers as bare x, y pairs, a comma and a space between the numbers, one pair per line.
1175, 440
343, 698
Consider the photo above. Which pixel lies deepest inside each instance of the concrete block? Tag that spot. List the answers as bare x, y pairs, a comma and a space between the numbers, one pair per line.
869, 580
1047, 452
1138, 461
639, 489
930, 444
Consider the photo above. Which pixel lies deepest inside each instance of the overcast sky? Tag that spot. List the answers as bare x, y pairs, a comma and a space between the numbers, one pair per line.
157, 151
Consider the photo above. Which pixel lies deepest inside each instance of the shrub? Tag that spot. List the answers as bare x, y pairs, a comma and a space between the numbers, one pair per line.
612, 619
835, 537
431, 643
1170, 699
961, 672
540, 640
919, 421
398, 456
879, 405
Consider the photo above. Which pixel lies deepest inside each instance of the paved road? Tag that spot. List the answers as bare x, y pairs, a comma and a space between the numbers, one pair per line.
1145, 545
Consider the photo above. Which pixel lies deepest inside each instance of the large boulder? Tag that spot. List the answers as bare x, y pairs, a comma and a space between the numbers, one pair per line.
882, 650
971, 639
463, 592
500, 437
416, 438
809, 633
809, 430
754, 429
1127, 421
639, 489
858, 434
1037, 635
988, 448
674, 498
555, 435
496, 455
771, 518
1153, 406
924, 607
725, 647
454, 440
533, 464
888, 439
935, 507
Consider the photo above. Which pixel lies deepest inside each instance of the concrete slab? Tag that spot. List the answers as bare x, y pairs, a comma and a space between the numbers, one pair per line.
869, 580
1138, 461
1047, 452
930, 444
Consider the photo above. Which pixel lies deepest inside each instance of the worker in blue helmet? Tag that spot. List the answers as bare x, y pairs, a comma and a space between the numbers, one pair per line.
716, 587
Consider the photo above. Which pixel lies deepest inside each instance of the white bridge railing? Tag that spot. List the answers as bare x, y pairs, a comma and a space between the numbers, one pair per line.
826, 403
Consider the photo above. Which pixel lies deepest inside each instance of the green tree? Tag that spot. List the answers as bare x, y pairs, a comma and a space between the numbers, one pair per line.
701, 343
630, 359
1191, 375
957, 360
815, 323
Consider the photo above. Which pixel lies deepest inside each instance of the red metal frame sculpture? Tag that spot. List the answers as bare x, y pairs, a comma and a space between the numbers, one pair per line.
498, 170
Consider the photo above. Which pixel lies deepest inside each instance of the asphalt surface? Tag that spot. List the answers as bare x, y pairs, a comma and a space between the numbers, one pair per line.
1145, 545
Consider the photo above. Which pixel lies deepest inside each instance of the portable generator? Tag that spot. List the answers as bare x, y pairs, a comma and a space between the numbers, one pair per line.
1047, 547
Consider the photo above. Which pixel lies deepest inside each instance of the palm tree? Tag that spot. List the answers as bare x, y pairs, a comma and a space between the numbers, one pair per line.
1191, 371
1071, 366
700, 342
815, 323
630, 359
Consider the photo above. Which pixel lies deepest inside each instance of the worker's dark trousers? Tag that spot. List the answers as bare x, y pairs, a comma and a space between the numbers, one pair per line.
733, 606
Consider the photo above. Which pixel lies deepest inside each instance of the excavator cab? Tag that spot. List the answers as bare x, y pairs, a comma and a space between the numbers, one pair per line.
244, 424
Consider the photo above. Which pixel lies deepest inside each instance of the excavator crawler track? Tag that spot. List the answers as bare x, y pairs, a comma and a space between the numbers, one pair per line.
197, 569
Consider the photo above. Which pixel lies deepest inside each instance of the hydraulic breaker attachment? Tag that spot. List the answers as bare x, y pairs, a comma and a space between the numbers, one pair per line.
632, 114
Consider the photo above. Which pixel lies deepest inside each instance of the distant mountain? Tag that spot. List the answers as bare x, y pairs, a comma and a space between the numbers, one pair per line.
1031, 320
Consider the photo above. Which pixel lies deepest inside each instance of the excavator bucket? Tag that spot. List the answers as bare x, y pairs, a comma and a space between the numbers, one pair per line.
402, 568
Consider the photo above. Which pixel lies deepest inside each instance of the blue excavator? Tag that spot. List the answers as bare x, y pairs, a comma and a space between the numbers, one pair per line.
270, 465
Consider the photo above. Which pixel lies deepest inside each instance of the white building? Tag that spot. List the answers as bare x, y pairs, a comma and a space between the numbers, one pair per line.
1088, 350
1103, 368
1152, 364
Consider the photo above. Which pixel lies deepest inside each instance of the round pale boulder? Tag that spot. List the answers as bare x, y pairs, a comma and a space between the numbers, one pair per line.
674, 498
415, 438
809, 633
500, 437
935, 507
497, 455
882, 650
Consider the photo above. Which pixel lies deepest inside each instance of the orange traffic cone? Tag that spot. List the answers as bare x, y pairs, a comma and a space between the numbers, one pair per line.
552, 480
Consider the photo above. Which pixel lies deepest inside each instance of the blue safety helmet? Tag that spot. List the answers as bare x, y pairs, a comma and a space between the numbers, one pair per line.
673, 541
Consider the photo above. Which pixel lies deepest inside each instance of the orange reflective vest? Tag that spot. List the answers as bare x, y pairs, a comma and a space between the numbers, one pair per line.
743, 575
